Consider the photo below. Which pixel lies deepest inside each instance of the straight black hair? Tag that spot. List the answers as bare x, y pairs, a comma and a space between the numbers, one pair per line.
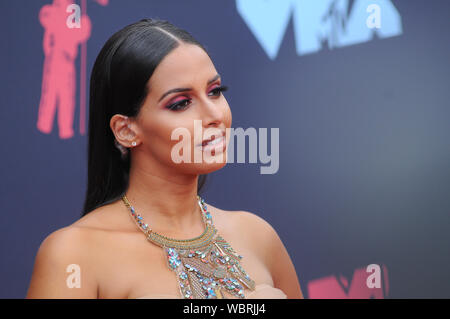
118, 85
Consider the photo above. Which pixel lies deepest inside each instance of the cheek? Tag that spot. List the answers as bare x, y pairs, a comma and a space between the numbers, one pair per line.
157, 137
182, 130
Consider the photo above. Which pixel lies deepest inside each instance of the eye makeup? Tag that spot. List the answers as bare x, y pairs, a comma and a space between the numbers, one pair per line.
181, 104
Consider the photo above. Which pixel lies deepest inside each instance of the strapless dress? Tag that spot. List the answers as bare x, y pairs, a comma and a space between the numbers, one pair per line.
262, 291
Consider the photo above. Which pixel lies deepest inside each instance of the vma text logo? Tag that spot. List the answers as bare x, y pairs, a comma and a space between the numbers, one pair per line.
338, 22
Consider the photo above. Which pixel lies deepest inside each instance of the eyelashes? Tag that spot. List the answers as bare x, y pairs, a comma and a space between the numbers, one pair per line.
220, 89
180, 105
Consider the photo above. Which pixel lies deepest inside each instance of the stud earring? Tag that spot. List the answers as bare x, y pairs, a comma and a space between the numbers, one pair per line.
133, 143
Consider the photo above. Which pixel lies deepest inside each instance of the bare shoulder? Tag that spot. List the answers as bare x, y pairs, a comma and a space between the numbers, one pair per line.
254, 225
75, 240
61, 253
238, 216
258, 224
277, 258
68, 238
62, 244
71, 250
260, 233
266, 242
253, 229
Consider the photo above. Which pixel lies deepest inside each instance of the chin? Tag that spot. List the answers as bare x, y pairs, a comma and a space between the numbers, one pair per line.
207, 168
201, 168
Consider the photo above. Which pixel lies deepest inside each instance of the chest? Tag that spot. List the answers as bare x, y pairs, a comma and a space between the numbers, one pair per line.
137, 267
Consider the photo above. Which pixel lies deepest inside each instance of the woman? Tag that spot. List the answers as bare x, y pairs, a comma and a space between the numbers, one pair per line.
150, 80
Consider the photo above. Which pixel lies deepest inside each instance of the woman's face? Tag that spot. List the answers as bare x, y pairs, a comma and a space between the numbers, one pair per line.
162, 113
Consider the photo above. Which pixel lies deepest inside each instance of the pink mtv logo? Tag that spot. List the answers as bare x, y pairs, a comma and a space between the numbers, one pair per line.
368, 282
60, 45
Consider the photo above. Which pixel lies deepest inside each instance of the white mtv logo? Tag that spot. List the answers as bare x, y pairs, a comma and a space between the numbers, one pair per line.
339, 22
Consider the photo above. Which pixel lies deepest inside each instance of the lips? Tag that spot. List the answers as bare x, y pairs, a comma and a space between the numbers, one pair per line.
212, 138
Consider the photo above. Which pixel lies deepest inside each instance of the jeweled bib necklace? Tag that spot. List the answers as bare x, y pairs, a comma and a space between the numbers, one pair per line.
206, 265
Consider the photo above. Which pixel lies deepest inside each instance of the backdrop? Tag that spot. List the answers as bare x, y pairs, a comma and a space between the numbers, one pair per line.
359, 93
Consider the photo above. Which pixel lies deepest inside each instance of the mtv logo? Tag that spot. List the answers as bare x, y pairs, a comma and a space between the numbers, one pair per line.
338, 22
367, 283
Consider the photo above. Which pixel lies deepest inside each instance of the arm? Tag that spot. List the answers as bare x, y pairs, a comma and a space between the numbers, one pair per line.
275, 255
60, 249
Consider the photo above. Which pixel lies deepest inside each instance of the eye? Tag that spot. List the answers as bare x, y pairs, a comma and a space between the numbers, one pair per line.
179, 105
217, 91
182, 104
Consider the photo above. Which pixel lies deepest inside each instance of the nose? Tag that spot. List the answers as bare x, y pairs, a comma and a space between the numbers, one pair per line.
211, 113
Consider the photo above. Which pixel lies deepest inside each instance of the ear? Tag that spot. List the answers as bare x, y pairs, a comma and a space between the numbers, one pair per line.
122, 128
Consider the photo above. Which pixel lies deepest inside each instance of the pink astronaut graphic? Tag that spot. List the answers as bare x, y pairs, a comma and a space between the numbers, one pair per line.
60, 45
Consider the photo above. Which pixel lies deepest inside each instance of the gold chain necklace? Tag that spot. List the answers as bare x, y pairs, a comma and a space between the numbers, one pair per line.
206, 266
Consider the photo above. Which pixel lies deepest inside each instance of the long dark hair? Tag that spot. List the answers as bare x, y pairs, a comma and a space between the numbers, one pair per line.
118, 86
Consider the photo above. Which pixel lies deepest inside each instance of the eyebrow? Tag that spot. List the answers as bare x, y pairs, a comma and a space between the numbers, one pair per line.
185, 89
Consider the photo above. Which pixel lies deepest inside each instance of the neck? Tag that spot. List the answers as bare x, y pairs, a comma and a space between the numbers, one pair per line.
167, 202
